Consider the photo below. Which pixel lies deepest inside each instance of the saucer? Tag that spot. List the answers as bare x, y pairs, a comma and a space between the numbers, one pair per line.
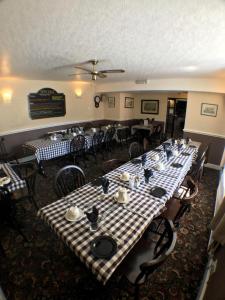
75, 219
125, 180
4, 180
115, 196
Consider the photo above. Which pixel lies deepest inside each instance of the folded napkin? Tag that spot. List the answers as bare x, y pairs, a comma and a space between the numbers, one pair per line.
93, 216
143, 159
179, 146
165, 146
147, 173
173, 141
105, 184
168, 154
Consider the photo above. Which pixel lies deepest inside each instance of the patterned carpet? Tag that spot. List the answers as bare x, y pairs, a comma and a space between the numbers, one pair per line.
45, 269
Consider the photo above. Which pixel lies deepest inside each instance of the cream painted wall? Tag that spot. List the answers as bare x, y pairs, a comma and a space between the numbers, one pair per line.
195, 122
14, 116
122, 113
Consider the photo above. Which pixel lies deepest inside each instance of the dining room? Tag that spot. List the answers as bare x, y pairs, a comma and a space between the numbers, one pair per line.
112, 150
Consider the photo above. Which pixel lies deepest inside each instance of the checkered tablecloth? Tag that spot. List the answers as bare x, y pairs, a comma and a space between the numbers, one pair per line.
126, 224
16, 182
46, 149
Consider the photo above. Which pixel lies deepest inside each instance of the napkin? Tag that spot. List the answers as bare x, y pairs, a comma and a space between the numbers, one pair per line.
165, 146
143, 159
147, 173
173, 141
168, 154
92, 216
179, 146
105, 184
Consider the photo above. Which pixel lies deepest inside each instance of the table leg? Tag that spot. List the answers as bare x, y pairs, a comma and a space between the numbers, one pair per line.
41, 169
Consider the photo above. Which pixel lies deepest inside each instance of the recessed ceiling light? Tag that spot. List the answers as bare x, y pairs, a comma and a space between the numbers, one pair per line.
190, 68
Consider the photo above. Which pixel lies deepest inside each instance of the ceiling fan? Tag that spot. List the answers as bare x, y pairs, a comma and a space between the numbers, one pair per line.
93, 72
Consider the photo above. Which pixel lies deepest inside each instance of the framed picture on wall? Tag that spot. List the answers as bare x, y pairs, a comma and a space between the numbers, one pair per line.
111, 102
129, 102
150, 107
209, 109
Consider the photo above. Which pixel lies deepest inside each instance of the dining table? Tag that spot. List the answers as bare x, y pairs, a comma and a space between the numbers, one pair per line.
47, 148
16, 182
124, 223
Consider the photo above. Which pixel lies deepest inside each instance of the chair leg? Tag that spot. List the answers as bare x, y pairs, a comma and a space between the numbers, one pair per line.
32, 200
2, 251
136, 292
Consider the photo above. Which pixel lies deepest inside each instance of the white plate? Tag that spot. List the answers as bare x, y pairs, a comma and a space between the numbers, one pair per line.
125, 180
76, 219
115, 196
4, 181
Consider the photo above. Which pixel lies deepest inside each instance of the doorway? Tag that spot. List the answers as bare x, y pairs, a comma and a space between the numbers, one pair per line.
176, 112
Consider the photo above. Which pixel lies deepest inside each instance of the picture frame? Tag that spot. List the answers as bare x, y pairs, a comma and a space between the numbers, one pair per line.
150, 107
111, 102
209, 110
129, 102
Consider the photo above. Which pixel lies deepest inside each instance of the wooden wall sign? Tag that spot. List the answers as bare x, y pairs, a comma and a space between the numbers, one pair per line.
46, 103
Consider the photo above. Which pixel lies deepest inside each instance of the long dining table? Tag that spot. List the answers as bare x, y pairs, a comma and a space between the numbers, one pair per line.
125, 223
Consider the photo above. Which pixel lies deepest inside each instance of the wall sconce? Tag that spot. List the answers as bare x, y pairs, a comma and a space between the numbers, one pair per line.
7, 96
78, 93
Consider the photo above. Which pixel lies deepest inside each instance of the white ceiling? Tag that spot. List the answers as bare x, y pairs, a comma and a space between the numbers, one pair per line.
147, 38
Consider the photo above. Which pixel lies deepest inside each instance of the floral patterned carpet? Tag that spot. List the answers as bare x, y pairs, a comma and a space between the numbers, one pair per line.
45, 269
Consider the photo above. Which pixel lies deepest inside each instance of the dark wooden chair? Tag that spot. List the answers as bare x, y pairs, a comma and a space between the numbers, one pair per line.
135, 150
68, 179
197, 169
181, 202
28, 172
108, 139
111, 164
97, 143
122, 136
149, 253
78, 148
8, 212
156, 135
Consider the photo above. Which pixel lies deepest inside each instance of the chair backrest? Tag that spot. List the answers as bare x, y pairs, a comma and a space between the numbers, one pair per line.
109, 134
135, 150
197, 170
202, 151
111, 164
165, 244
78, 143
121, 134
68, 179
97, 139
28, 172
3, 152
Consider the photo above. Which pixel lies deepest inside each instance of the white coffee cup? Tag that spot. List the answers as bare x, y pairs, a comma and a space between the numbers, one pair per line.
155, 157
74, 134
94, 130
160, 166
175, 152
122, 195
73, 212
125, 176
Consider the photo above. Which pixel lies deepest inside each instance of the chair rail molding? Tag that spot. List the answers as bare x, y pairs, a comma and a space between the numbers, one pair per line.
204, 133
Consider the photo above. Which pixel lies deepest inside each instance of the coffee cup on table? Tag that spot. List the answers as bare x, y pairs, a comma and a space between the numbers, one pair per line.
122, 195
125, 176
155, 157
73, 213
160, 166
175, 153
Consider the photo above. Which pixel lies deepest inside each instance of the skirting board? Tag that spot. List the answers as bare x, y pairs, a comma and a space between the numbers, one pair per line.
212, 166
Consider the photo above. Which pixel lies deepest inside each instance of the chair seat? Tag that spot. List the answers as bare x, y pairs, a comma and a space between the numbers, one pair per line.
143, 251
172, 207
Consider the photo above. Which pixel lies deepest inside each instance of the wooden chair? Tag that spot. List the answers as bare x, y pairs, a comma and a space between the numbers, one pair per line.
8, 212
156, 135
77, 148
122, 136
149, 253
181, 202
68, 179
28, 172
108, 139
197, 169
111, 164
135, 150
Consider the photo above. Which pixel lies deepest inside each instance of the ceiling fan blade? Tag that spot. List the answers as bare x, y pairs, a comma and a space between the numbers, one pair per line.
113, 71
101, 75
79, 74
83, 69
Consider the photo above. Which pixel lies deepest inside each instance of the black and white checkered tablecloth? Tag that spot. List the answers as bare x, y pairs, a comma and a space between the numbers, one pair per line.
46, 149
16, 182
125, 224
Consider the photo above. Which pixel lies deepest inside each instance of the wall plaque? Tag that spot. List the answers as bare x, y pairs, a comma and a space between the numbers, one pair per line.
46, 103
